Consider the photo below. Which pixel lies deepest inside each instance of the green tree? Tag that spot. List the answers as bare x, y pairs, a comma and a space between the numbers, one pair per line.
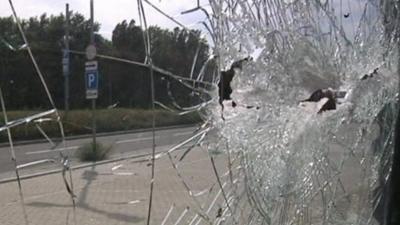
126, 84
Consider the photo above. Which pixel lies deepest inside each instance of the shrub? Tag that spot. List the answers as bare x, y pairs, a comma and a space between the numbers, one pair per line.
87, 152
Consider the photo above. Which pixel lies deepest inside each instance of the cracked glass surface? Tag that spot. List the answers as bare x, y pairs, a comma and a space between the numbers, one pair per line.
302, 166
286, 162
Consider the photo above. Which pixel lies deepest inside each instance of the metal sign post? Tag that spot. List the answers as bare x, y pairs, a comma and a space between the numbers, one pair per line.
92, 84
65, 69
65, 60
92, 76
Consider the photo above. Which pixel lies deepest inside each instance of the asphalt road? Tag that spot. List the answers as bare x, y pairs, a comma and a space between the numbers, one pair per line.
122, 145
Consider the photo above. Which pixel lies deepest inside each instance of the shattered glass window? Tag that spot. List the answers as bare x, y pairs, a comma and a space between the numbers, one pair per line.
298, 103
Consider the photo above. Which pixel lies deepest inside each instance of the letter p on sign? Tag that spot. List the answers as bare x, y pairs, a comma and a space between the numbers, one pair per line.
91, 81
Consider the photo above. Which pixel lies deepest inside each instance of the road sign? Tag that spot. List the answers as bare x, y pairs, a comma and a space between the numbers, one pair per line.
65, 58
65, 62
91, 52
91, 80
65, 70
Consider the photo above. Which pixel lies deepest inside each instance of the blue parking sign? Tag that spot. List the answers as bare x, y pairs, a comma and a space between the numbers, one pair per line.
91, 80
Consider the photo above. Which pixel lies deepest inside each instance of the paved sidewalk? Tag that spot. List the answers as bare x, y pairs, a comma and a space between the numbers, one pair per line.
115, 193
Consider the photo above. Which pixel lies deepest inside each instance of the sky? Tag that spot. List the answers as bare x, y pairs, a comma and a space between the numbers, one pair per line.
110, 12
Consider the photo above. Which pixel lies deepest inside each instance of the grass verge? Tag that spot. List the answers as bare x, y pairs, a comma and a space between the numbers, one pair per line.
77, 122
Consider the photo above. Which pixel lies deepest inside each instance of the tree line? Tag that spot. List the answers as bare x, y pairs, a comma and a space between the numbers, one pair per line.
121, 84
